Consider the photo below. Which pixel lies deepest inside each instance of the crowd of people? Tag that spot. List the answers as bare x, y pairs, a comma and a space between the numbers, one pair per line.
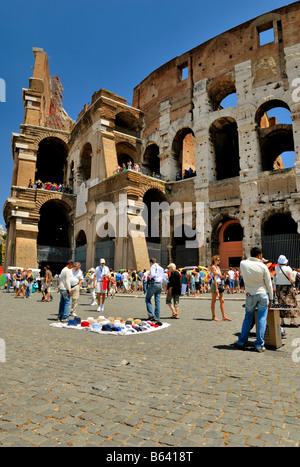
262, 282
50, 186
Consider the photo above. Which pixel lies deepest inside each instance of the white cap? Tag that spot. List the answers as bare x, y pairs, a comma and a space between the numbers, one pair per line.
102, 260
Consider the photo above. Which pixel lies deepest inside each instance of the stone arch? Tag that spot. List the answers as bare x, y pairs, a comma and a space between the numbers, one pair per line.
51, 163
85, 162
151, 161
219, 89
183, 149
225, 143
280, 237
80, 239
230, 242
276, 139
80, 248
53, 197
126, 152
54, 238
126, 122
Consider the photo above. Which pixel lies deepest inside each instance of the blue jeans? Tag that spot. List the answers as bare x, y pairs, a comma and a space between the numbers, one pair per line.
153, 289
261, 302
64, 305
28, 290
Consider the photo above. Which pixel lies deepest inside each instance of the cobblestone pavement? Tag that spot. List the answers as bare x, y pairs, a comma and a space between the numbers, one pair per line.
184, 386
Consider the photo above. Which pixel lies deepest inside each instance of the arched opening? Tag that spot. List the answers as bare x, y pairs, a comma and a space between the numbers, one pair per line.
54, 236
183, 149
230, 238
225, 142
183, 255
85, 163
275, 130
80, 250
127, 123
151, 160
280, 237
126, 153
222, 94
156, 241
51, 160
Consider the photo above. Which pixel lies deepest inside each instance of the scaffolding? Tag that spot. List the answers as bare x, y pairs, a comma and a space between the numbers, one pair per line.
55, 119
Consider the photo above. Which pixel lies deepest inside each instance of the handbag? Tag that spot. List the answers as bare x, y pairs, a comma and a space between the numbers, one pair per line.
221, 288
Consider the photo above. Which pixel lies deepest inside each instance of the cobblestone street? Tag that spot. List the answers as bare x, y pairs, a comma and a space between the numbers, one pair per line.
183, 386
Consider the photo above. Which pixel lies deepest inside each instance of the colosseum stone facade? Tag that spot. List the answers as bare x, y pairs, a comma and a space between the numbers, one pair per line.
190, 149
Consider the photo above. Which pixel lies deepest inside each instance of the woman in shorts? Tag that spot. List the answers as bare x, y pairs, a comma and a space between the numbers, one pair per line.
217, 289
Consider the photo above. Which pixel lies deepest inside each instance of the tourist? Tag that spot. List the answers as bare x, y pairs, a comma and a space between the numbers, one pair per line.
118, 281
165, 281
8, 281
100, 283
28, 283
174, 290
113, 283
46, 287
17, 278
202, 279
217, 289
285, 293
21, 288
231, 280
125, 281
65, 292
90, 281
184, 283
197, 282
236, 281
259, 295
76, 278
145, 281
156, 276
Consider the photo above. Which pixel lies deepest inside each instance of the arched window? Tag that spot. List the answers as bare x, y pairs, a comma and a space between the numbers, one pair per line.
225, 142
126, 153
276, 139
51, 160
280, 237
127, 123
183, 149
151, 160
85, 162
222, 94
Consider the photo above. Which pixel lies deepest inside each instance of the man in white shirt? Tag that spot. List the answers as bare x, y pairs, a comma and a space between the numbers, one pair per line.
259, 295
65, 292
100, 283
76, 278
156, 276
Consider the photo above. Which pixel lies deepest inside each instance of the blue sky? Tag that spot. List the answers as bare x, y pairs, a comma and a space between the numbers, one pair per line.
101, 44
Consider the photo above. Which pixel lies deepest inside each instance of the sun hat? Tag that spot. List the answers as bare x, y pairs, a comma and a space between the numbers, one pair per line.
282, 259
102, 260
97, 326
84, 324
72, 322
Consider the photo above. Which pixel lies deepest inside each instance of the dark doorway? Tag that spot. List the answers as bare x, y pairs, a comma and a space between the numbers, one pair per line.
51, 160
